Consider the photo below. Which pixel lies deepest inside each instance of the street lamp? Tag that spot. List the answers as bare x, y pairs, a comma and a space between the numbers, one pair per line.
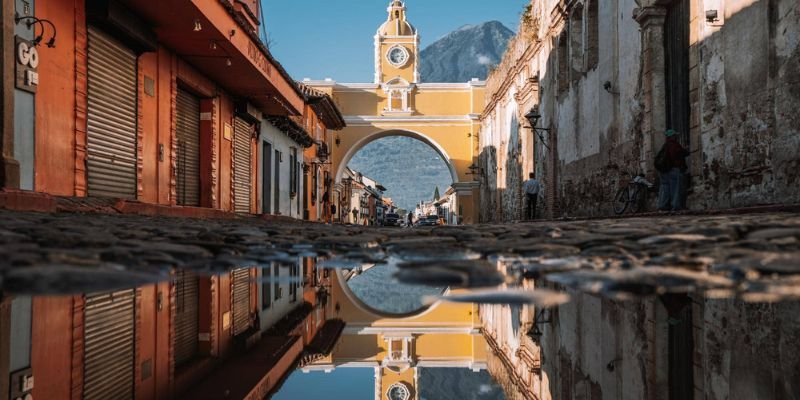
475, 170
533, 118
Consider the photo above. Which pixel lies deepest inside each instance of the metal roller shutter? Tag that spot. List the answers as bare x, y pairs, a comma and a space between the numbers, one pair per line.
108, 358
186, 316
240, 294
111, 118
241, 166
188, 132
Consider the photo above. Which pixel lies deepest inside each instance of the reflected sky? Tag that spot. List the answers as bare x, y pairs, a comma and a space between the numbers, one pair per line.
359, 383
341, 383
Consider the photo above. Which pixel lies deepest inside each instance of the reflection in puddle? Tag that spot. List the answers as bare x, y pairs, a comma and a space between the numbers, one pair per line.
591, 317
360, 383
376, 287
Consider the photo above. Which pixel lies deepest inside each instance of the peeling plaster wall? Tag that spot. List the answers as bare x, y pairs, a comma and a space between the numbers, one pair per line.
744, 97
749, 101
596, 348
587, 336
598, 130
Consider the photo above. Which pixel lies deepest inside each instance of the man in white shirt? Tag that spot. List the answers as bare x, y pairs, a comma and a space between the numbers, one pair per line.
531, 188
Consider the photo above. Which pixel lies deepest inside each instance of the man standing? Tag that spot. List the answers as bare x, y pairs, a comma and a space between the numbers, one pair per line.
531, 189
670, 197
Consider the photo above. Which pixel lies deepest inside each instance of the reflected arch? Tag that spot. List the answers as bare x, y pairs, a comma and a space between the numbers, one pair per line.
373, 312
369, 138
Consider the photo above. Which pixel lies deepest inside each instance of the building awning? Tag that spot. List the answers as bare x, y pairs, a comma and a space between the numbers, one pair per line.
292, 129
324, 107
324, 341
215, 39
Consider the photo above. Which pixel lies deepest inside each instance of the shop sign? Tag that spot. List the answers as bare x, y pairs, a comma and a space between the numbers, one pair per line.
27, 64
22, 385
259, 60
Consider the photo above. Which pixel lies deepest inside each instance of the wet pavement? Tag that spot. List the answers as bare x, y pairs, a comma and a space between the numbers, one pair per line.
754, 257
396, 337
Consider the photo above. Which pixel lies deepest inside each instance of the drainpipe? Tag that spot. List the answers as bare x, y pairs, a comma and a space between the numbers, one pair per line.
9, 168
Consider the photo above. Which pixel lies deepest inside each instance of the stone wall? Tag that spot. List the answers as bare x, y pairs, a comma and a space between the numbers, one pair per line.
602, 90
749, 94
506, 140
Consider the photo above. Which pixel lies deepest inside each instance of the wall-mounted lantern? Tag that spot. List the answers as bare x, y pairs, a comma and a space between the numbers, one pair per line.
533, 118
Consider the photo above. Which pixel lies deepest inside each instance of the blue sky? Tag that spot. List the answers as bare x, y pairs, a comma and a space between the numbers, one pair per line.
334, 38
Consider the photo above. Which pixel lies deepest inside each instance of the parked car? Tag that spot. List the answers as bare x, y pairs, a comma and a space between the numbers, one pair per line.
391, 220
431, 220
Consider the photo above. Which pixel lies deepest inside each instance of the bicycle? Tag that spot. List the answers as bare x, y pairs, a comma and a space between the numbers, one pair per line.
633, 195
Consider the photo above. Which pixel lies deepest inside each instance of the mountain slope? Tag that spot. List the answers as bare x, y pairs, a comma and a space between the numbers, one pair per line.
465, 53
410, 169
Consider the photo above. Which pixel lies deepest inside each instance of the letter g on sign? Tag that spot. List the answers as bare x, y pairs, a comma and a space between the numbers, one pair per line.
27, 55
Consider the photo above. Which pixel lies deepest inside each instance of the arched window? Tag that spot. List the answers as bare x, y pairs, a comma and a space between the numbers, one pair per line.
592, 35
576, 41
562, 62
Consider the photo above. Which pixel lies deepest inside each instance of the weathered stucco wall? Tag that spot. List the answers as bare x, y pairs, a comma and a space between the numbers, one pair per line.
602, 93
750, 93
596, 348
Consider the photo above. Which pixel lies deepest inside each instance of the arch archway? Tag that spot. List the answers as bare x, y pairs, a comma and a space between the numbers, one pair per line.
372, 312
367, 139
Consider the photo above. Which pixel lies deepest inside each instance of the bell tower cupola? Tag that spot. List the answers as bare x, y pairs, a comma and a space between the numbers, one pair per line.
396, 47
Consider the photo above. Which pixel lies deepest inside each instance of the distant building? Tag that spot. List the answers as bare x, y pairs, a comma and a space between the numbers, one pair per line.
365, 205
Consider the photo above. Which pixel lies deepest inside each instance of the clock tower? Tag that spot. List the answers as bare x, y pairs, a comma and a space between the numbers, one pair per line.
396, 48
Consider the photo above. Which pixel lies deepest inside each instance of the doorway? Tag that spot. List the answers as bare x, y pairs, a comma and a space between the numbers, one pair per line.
277, 184
680, 346
676, 46
266, 178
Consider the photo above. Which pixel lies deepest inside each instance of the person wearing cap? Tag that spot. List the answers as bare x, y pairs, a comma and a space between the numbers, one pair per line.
671, 194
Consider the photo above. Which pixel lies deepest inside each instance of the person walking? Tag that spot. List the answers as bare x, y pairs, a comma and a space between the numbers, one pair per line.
671, 163
326, 207
531, 188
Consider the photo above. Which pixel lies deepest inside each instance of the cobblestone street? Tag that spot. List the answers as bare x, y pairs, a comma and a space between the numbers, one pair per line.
755, 256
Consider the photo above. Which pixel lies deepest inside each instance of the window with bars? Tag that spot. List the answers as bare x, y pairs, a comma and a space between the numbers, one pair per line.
266, 288
277, 285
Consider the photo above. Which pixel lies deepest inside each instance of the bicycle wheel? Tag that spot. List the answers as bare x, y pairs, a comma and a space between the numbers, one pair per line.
638, 200
621, 200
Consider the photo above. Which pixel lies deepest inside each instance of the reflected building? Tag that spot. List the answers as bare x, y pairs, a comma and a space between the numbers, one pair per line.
400, 349
181, 338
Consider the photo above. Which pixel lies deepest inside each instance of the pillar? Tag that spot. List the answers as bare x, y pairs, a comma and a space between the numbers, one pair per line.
654, 95
9, 167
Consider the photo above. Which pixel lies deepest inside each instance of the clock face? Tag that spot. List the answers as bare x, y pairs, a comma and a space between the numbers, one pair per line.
398, 392
398, 56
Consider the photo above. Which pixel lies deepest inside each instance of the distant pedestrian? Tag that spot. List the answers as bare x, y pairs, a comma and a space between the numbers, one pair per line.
410, 219
531, 188
326, 207
671, 163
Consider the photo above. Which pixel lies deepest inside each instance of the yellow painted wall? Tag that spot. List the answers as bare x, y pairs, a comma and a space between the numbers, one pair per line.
445, 346
351, 348
441, 102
